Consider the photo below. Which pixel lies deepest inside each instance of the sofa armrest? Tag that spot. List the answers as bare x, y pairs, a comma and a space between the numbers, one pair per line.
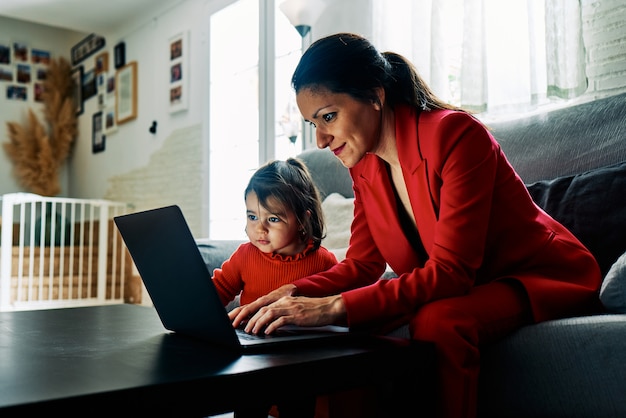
573, 367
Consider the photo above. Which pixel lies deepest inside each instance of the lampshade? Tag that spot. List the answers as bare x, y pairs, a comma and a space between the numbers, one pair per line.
303, 14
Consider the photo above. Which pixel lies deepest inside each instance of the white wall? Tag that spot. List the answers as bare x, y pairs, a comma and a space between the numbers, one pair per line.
130, 147
47, 38
116, 173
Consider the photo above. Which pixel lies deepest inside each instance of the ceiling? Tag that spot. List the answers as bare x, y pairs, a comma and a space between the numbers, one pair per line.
89, 16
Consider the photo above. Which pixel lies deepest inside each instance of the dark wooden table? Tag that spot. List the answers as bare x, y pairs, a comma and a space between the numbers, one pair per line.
94, 361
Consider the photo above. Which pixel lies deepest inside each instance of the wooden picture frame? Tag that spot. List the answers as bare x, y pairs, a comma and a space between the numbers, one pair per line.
178, 70
126, 93
102, 63
97, 134
77, 77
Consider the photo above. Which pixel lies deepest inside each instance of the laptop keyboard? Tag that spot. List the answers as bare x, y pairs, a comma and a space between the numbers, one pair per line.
250, 337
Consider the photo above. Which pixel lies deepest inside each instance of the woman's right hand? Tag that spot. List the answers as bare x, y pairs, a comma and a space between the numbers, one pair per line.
241, 314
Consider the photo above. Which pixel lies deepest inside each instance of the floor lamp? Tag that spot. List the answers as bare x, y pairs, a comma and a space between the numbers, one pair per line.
302, 14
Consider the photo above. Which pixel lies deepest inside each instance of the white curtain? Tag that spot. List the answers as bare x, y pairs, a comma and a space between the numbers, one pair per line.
488, 55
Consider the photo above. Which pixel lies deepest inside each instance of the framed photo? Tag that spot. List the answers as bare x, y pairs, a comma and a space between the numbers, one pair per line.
110, 89
110, 124
119, 54
24, 73
126, 93
6, 73
5, 53
178, 84
39, 56
20, 52
38, 92
98, 138
86, 48
90, 86
102, 63
77, 77
17, 92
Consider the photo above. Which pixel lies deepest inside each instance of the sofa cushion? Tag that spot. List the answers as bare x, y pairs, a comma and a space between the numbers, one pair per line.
565, 141
613, 290
338, 213
573, 367
329, 175
591, 205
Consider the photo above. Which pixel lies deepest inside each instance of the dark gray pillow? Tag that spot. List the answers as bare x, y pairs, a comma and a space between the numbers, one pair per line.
591, 205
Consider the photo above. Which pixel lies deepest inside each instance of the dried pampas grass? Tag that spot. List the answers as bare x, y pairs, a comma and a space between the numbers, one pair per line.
37, 153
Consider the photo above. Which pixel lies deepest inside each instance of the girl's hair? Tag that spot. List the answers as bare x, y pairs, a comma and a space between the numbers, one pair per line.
291, 184
350, 64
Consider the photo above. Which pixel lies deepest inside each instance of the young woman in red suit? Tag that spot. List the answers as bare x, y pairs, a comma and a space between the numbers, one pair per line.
436, 199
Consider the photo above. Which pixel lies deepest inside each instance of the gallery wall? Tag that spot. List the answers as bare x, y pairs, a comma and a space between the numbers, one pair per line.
50, 42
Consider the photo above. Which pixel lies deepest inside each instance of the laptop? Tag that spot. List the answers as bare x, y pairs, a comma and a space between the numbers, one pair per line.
181, 288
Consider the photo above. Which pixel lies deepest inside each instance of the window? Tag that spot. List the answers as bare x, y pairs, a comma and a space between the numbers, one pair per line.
251, 63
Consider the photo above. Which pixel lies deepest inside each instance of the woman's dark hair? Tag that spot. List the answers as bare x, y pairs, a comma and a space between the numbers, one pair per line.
350, 64
291, 184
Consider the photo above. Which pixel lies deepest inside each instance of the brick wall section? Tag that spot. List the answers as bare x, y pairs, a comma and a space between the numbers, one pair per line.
604, 31
172, 176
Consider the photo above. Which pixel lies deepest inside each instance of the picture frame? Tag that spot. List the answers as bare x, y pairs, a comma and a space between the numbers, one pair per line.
38, 92
178, 71
5, 53
119, 55
21, 52
40, 56
102, 63
126, 93
90, 86
97, 133
77, 77
110, 122
86, 48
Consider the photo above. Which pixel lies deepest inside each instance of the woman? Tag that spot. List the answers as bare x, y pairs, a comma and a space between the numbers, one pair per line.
436, 199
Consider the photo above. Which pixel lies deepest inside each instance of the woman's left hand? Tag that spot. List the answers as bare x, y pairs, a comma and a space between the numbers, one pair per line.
298, 310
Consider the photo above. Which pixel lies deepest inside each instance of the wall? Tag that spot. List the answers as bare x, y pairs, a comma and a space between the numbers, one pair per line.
42, 37
133, 154
132, 169
604, 28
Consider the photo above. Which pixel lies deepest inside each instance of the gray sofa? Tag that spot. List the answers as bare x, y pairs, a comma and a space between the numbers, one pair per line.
574, 163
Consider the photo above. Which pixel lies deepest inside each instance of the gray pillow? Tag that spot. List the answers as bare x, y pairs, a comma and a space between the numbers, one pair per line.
613, 290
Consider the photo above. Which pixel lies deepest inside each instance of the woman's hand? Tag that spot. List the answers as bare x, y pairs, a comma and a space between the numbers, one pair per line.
241, 314
279, 308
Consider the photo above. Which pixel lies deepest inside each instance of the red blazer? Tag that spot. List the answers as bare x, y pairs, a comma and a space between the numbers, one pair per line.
476, 220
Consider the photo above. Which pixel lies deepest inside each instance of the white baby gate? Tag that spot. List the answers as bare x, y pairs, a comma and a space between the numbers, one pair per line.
60, 252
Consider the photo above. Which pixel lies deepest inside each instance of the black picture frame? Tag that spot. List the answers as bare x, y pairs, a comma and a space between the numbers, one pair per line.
86, 48
77, 78
119, 53
90, 85
98, 138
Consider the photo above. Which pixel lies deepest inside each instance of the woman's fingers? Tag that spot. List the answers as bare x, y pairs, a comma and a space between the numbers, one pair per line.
243, 313
302, 311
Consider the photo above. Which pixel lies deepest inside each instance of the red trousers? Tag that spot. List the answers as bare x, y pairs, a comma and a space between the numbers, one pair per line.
457, 327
